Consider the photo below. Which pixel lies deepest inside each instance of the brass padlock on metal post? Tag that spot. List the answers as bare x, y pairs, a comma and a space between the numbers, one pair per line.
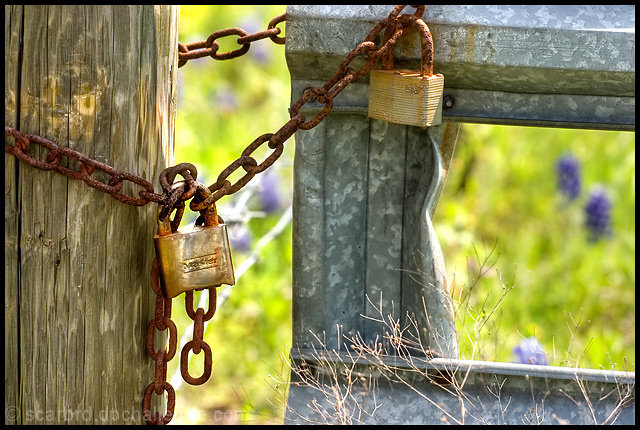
196, 258
406, 96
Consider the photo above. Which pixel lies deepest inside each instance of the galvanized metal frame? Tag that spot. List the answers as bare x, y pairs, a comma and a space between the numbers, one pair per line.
487, 392
550, 66
364, 190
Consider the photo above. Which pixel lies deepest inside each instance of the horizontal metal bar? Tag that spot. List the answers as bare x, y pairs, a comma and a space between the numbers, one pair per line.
476, 366
544, 110
553, 49
396, 390
496, 107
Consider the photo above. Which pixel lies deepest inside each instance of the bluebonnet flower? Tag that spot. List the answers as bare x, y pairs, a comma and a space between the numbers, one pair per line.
270, 200
598, 214
225, 101
259, 51
529, 351
568, 174
240, 237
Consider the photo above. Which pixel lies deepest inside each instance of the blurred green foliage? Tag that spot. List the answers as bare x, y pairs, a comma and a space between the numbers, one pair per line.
501, 191
222, 107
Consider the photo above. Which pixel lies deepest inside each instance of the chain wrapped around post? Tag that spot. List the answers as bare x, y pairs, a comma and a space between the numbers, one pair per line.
160, 322
204, 198
394, 25
53, 161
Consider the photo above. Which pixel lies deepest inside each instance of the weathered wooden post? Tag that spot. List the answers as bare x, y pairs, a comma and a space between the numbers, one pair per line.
365, 191
101, 80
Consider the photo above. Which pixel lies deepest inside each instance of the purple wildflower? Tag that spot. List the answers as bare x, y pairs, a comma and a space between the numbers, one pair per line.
598, 214
239, 237
270, 200
225, 101
529, 351
261, 54
259, 51
568, 174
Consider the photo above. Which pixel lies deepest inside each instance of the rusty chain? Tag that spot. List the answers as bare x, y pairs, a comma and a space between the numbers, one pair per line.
209, 47
175, 194
197, 344
394, 25
53, 161
160, 322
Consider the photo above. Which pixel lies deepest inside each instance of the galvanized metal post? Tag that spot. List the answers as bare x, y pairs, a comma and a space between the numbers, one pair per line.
365, 190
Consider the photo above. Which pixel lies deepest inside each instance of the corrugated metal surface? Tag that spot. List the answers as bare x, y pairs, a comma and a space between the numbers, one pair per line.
365, 191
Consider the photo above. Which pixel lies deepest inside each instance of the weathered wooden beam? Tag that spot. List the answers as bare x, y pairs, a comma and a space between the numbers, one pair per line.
101, 80
12, 41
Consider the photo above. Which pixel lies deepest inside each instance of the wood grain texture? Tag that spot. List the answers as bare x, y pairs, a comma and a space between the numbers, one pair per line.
101, 80
13, 34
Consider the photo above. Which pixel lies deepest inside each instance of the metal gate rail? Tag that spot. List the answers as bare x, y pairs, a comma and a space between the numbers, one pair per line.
392, 390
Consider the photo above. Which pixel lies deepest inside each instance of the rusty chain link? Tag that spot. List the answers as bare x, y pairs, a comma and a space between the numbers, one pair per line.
53, 161
160, 322
209, 47
394, 25
198, 344
204, 198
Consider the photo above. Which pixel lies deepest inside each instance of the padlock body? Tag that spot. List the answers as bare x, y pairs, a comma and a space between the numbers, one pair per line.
194, 259
405, 97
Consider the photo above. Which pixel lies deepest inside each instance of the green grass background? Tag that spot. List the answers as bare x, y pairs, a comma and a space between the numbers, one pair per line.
500, 192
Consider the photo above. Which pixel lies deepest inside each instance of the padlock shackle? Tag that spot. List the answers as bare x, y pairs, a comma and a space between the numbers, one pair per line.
426, 43
210, 215
207, 210
166, 225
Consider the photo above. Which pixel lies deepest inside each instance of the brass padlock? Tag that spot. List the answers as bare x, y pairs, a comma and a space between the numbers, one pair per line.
195, 258
407, 96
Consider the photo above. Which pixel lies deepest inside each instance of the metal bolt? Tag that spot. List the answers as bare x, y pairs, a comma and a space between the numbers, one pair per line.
448, 101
